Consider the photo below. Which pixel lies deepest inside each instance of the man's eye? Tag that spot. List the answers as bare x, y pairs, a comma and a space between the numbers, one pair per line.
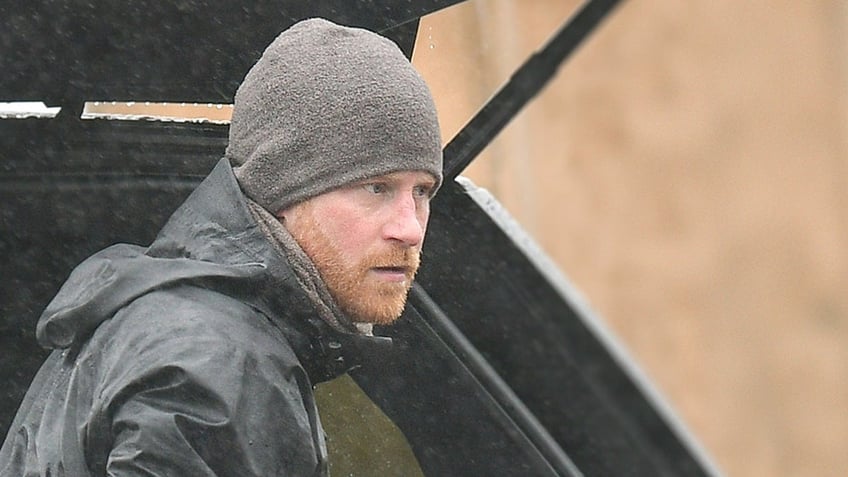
375, 188
423, 191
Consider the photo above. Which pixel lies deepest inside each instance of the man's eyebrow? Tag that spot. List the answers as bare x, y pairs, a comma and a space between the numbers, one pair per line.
427, 181
369, 180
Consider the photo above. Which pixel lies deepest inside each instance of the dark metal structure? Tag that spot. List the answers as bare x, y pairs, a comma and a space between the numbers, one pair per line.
497, 369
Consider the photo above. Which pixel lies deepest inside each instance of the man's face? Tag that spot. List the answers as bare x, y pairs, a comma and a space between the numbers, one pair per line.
365, 240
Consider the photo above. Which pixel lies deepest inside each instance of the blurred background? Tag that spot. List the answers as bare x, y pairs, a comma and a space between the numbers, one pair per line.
687, 170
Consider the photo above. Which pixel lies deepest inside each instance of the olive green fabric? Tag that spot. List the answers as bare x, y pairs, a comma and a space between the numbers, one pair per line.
361, 440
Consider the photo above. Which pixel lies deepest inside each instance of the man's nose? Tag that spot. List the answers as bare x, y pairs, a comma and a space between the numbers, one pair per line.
407, 222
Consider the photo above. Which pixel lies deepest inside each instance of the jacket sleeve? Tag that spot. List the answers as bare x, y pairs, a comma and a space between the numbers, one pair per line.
227, 413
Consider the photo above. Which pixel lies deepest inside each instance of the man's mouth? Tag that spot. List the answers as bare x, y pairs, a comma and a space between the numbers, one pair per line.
393, 273
396, 269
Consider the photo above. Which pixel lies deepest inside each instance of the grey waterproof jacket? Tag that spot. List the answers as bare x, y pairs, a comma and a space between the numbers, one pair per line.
195, 356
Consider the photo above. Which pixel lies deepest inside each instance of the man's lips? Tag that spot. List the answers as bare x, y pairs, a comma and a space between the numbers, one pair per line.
393, 273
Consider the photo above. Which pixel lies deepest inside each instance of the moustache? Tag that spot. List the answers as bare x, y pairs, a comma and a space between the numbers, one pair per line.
399, 258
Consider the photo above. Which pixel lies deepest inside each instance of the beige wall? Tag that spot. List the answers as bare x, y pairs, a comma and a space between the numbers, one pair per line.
688, 171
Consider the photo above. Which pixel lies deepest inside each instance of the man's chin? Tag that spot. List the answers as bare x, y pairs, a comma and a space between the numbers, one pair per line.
377, 317
376, 310
376, 320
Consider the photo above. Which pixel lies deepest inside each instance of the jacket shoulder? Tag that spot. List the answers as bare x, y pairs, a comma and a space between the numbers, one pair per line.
197, 331
188, 315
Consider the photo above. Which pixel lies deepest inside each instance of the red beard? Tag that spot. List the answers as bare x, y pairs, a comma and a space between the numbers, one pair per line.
360, 294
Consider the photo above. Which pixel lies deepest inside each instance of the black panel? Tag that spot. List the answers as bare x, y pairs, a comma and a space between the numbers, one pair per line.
64, 51
376, 15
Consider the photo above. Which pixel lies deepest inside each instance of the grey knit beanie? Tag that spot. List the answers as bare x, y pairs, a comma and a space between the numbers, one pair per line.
326, 106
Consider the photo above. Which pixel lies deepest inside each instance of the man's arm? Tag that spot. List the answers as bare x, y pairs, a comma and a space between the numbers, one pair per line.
207, 401
222, 419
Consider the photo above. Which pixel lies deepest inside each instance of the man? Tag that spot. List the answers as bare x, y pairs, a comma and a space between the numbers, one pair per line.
197, 355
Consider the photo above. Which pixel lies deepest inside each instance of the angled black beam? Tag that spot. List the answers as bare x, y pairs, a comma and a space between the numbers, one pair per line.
524, 84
